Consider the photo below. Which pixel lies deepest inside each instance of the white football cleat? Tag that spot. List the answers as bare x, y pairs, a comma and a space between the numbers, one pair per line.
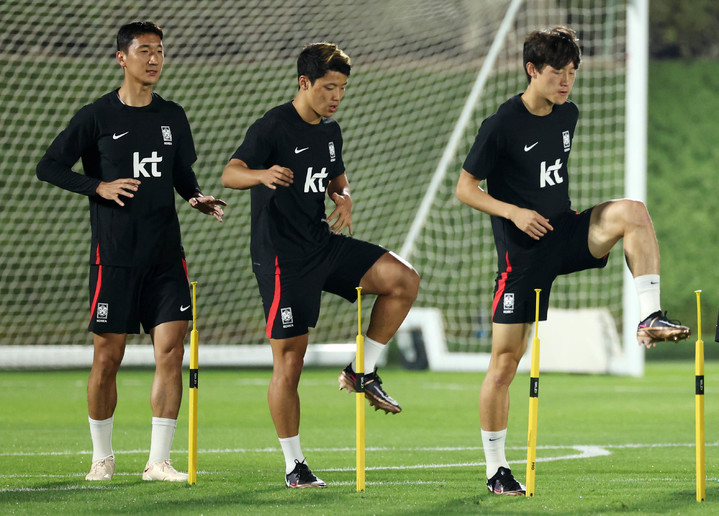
102, 469
163, 470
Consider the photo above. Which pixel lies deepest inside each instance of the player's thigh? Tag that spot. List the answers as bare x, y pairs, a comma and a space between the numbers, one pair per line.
165, 295
168, 339
610, 221
510, 339
390, 273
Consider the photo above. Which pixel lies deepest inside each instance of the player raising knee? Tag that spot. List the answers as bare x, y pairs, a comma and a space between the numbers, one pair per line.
290, 159
522, 152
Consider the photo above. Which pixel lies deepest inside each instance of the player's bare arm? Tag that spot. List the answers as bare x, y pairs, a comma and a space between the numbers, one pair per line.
528, 221
120, 187
341, 217
208, 205
239, 176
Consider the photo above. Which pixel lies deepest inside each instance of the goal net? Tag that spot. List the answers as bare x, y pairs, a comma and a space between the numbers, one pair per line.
415, 65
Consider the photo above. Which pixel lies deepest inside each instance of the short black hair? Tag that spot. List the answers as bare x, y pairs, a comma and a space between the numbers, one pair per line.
316, 59
132, 30
556, 47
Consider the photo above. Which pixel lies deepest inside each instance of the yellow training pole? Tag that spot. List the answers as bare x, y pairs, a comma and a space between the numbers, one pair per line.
699, 403
359, 397
533, 404
194, 343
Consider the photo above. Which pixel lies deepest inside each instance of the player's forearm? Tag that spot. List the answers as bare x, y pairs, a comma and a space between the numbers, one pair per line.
186, 184
470, 193
339, 185
239, 176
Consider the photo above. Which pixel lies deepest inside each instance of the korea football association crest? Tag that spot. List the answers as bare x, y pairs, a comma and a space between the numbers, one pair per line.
332, 151
166, 134
102, 311
508, 303
566, 141
287, 319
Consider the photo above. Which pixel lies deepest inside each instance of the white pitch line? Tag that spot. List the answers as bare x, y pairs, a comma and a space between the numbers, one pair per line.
369, 449
582, 452
64, 488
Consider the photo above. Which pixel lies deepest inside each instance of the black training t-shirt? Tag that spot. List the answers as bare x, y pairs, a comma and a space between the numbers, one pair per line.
289, 223
524, 157
151, 143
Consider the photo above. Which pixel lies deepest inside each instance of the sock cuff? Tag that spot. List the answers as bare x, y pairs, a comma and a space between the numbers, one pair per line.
163, 421
492, 434
373, 342
100, 422
646, 282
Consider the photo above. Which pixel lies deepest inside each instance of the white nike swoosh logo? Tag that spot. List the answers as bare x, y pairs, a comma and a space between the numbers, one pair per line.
184, 308
297, 151
118, 136
528, 148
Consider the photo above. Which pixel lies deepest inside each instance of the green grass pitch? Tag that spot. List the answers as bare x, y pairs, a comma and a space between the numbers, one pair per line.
605, 445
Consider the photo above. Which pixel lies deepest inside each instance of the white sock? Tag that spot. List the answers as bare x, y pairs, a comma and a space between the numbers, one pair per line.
372, 351
101, 434
648, 290
293, 452
163, 431
493, 443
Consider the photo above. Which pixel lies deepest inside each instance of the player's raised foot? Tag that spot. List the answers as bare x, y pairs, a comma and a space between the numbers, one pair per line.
163, 470
504, 483
102, 469
302, 477
373, 390
657, 328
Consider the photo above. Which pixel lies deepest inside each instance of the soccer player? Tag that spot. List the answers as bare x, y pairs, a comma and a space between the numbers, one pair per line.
522, 152
290, 159
136, 149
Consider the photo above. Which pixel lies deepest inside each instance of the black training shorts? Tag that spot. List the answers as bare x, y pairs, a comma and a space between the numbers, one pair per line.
291, 296
525, 265
122, 298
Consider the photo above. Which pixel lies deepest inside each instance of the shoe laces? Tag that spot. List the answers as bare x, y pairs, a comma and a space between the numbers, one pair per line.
164, 464
98, 464
303, 471
373, 376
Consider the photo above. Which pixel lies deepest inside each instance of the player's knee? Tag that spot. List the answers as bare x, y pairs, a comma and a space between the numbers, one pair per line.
107, 362
410, 283
635, 212
502, 377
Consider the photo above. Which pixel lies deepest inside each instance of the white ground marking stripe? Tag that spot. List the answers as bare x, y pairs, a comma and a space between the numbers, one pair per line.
369, 449
64, 488
582, 452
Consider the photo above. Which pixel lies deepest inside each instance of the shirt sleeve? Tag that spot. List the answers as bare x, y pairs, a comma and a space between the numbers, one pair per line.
256, 149
482, 157
78, 140
184, 178
339, 166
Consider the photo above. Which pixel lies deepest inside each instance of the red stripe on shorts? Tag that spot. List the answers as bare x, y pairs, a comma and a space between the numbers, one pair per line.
275, 300
502, 284
98, 285
184, 266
